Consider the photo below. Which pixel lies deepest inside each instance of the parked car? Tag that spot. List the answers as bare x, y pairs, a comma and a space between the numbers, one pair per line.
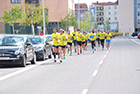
16, 50
42, 47
135, 34
48, 37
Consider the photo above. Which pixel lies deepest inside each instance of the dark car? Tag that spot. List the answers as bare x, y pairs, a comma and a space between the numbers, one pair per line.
135, 34
16, 50
42, 47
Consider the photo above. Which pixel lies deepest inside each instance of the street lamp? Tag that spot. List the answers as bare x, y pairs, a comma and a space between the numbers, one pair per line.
44, 27
78, 14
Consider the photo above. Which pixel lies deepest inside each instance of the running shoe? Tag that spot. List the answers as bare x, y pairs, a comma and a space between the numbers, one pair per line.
77, 53
64, 57
54, 60
95, 49
70, 54
93, 52
61, 60
80, 51
68, 51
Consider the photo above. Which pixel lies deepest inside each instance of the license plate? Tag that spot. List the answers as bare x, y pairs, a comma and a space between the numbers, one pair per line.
4, 58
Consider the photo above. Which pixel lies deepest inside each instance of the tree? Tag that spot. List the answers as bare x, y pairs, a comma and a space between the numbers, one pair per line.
69, 20
32, 15
12, 16
117, 28
107, 24
95, 26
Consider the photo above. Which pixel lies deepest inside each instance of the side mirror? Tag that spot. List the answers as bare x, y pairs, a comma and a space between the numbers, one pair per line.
47, 43
28, 43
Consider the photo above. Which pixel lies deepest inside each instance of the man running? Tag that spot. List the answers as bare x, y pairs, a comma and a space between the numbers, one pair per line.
75, 39
98, 38
102, 38
62, 44
69, 42
84, 41
54, 37
108, 39
93, 37
79, 41
87, 38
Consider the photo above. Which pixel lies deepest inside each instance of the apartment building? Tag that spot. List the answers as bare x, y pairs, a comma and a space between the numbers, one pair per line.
83, 8
126, 16
58, 9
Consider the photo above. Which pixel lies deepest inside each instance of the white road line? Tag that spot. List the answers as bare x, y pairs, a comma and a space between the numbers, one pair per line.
135, 42
104, 55
85, 91
95, 73
101, 62
21, 71
107, 51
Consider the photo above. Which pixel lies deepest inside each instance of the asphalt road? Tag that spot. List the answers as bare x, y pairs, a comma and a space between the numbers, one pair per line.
106, 72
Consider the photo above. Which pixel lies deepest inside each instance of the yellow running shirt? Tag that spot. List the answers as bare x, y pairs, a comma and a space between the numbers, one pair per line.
79, 36
74, 35
84, 38
108, 36
69, 36
102, 35
94, 36
62, 41
55, 39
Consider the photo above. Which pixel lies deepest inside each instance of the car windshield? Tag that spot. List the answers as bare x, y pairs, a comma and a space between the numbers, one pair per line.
36, 40
49, 38
11, 41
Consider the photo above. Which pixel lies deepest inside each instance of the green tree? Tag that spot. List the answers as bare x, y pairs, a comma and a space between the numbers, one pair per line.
104, 27
12, 16
69, 20
117, 28
107, 24
32, 15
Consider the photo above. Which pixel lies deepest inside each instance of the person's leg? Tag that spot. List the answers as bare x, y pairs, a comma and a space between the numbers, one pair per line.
78, 47
64, 49
103, 43
75, 45
57, 48
60, 49
68, 46
54, 53
94, 44
71, 50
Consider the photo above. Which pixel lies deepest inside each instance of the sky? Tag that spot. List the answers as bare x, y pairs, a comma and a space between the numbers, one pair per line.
88, 2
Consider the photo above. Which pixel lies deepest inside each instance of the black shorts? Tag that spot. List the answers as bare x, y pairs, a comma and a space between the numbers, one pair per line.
79, 43
86, 43
69, 43
63, 46
83, 42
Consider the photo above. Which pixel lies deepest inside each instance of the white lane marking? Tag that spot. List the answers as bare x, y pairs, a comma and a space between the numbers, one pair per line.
21, 71
101, 62
107, 51
104, 55
85, 91
95, 73
135, 42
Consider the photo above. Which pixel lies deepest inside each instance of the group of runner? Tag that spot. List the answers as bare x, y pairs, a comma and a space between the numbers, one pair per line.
80, 40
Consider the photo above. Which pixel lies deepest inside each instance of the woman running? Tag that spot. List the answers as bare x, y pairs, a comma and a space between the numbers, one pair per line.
93, 37
84, 41
108, 39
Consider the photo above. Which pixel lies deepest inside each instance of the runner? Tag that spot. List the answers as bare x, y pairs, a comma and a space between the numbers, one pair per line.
84, 41
79, 41
75, 39
102, 38
54, 37
93, 37
98, 38
69, 42
108, 39
62, 44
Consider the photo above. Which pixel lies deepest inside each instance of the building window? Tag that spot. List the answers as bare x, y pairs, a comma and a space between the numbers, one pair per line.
109, 13
81, 11
80, 6
115, 7
115, 13
76, 6
15, 1
109, 18
85, 6
138, 5
138, 21
109, 7
138, 13
31, 1
115, 18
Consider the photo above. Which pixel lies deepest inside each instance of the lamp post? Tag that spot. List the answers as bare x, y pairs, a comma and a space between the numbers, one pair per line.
44, 26
78, 14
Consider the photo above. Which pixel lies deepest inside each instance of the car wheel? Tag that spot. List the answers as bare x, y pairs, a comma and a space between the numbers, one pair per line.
23, 61
44, 56
50, 56
34, 59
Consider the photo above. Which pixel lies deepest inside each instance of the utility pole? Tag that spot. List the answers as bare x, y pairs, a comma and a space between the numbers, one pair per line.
78, 14
58, 13
44, 26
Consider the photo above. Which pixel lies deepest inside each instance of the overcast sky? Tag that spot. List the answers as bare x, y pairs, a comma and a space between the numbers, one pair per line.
88, 2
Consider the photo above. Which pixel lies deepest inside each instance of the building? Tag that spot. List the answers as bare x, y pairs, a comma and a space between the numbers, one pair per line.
58, 9
103, 11
126, 16
79, 12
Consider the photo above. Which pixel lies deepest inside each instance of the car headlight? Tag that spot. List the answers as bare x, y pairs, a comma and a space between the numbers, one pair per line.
17, 52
